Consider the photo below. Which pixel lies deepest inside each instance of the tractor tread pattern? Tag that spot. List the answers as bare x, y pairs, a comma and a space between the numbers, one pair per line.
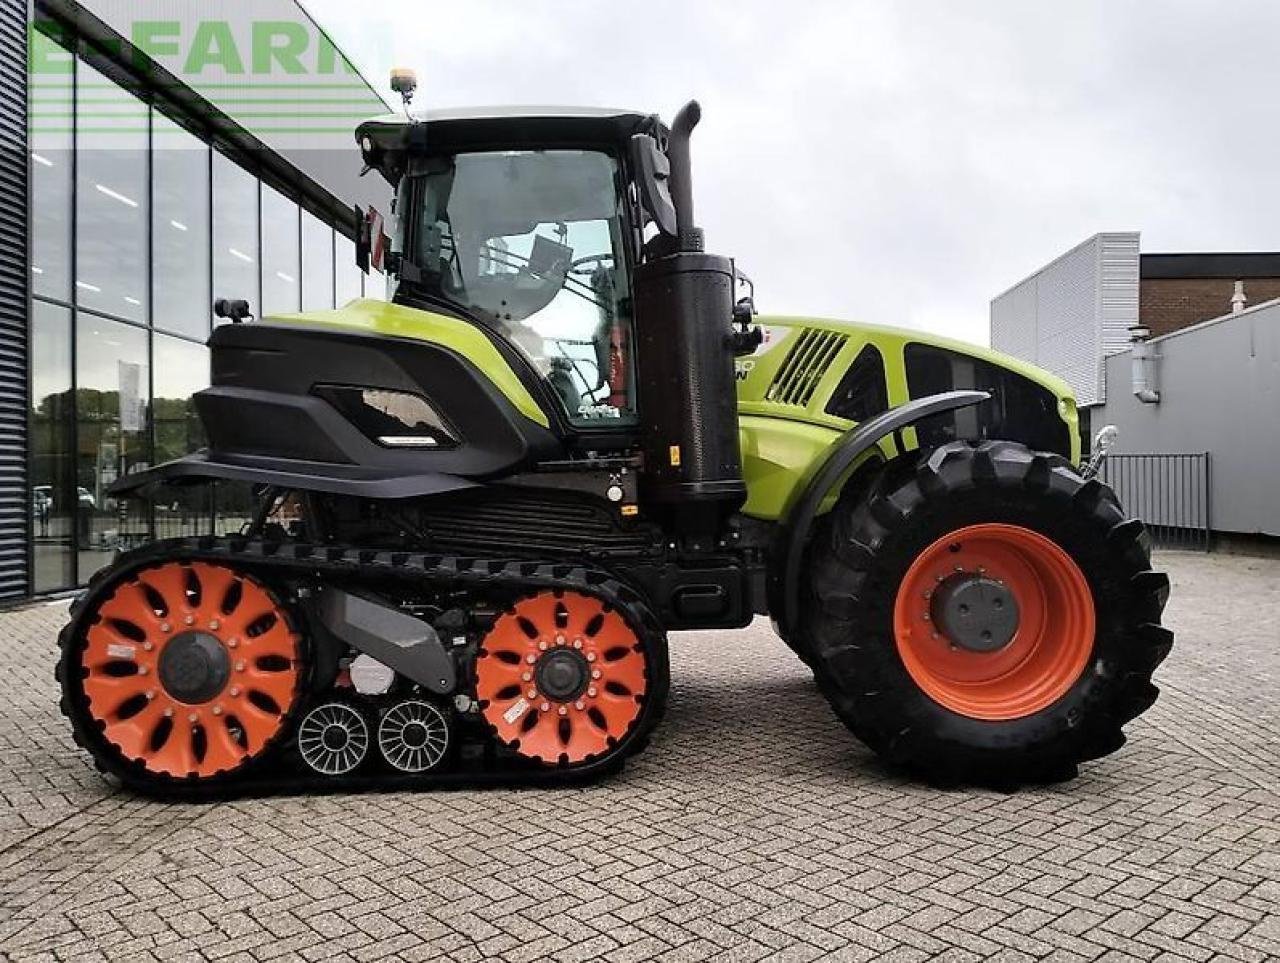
846, 628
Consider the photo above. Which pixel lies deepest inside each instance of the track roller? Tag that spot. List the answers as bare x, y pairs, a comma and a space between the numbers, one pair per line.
414, 736
333, 738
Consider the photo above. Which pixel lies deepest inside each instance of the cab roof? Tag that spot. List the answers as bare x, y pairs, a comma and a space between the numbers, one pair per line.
480, 128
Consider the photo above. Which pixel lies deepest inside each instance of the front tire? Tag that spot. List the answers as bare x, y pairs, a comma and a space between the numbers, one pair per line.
985, 615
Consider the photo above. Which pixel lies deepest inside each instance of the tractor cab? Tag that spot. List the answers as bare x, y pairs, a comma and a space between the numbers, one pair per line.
526, 222
567, 234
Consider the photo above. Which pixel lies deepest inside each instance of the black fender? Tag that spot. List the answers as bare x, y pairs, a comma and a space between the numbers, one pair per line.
362, 482
797, 521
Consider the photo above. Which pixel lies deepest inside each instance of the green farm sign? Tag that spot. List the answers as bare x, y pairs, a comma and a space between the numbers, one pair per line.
265, 64
268, 48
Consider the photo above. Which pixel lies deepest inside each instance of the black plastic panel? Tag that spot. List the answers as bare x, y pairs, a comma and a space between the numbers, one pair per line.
263, 402
396, 639
863, 392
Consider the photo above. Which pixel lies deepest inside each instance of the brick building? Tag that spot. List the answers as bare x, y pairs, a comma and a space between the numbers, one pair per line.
1179, 290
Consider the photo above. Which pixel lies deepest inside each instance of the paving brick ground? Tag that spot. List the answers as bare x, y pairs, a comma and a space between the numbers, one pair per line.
753, 828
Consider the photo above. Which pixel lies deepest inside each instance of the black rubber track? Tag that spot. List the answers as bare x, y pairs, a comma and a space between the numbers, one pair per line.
275, 565
864, 552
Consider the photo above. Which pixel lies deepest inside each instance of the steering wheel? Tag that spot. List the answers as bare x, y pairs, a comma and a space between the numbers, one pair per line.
578, 265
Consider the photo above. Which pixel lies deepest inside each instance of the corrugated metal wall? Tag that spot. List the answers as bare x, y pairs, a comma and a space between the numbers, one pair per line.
1119, 280
15, 516
1073, 312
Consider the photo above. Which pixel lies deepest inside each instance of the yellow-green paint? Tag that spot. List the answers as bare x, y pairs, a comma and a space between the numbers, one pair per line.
397, 321
781, 442
776, 453
779, 456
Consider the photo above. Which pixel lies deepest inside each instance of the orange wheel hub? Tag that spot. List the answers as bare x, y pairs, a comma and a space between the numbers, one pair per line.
561, 678
190, 669
994, 621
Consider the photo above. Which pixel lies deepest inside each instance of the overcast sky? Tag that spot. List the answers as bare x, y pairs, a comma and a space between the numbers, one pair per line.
896, 161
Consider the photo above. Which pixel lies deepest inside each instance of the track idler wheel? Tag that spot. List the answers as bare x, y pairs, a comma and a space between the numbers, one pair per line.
187, 670
561, 678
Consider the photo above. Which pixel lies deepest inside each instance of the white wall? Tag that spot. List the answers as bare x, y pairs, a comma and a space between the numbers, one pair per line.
1219, 385
1073, 312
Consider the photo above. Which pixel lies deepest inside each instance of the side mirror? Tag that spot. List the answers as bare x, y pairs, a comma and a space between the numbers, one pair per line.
233, 310
653, 173
364, 239
747, 337
371, 242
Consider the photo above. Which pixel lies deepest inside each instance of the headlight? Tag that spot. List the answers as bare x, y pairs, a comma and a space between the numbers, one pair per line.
393, 419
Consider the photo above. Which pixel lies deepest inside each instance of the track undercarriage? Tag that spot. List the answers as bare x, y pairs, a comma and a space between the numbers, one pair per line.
214, 663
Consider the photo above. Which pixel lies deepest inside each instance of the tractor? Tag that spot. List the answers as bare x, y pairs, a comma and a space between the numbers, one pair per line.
478, 508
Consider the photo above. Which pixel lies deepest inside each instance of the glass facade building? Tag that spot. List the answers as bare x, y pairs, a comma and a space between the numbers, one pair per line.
142, 213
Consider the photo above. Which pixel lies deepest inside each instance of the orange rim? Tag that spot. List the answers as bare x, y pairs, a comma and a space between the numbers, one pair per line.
190, 669
561, 678
1051, 640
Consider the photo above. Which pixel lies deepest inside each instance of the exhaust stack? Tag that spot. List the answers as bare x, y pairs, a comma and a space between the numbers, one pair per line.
687, 391
689, 237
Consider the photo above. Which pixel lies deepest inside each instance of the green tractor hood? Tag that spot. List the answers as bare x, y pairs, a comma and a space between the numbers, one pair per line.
811, 380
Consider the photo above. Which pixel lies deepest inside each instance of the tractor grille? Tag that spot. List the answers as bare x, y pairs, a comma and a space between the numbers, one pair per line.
544, 524
806, 363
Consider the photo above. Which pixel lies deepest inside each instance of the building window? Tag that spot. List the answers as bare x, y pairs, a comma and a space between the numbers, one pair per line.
180, 229
136, 225
111, 197
112, 383
235, 232
317, 264
350, 279
281, 256
51, 170
181, 369
53, 488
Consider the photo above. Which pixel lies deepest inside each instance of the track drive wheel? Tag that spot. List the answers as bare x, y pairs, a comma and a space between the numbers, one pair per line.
181, 673
986, 615
563, 679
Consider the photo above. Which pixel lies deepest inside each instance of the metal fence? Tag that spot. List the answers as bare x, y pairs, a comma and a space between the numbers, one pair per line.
1170, 493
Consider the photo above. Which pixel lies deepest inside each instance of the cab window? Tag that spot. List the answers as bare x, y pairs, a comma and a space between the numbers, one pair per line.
532, 243
1018, 410
862, 392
